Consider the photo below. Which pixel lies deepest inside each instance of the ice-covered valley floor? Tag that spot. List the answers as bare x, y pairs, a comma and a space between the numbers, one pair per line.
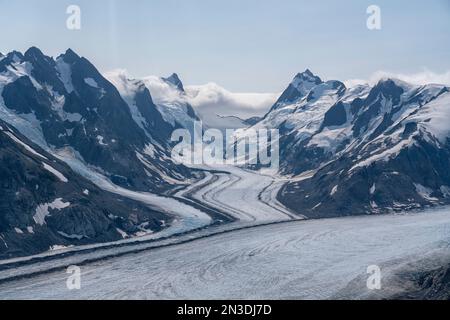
316, 259
244, 194
248, 197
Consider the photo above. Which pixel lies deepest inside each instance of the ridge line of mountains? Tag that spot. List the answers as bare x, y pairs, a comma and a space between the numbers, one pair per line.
348, 151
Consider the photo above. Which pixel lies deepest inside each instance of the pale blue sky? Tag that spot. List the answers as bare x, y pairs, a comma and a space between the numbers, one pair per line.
243, 45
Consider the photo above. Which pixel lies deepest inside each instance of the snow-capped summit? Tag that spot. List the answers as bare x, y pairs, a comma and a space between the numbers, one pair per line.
150, 116
305, 77
298, 88
175, 80
172, 103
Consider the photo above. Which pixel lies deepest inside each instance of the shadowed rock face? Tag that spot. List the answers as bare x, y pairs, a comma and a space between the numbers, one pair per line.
336, 116
43, 203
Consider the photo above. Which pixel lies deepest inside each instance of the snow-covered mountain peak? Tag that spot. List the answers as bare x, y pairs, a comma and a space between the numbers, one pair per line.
305, 81
172, 103
175, 80
300, 86
305, 78
151, 98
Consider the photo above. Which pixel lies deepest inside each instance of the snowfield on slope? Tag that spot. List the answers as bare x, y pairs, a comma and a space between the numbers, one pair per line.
317, 259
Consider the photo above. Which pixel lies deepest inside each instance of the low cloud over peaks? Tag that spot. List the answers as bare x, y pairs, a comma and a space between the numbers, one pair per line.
215, 99
420, 78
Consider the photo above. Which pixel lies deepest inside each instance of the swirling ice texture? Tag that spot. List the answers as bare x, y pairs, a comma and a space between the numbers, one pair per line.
296, 260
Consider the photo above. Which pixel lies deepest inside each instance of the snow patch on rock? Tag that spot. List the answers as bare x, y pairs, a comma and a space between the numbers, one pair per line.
55, 172
42, 211
425, 192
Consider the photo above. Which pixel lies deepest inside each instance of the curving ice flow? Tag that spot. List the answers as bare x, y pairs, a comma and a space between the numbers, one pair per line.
316, 259
246, 195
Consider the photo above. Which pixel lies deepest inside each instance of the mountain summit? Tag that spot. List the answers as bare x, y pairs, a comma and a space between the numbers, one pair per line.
175, 80
298, 88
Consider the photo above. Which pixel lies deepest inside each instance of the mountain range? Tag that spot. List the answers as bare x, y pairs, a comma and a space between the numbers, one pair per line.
66, 130
362, 150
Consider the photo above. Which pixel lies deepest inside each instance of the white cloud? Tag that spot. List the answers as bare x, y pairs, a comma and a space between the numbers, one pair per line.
211, 98
420, 78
